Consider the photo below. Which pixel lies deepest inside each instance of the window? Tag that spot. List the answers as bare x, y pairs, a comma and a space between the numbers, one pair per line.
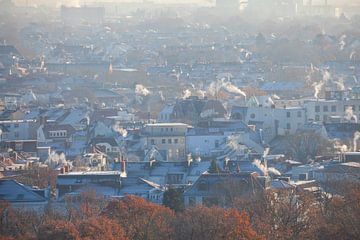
299, 114
152, 141
288, 114
302, 176
16, 125
176, 141
317, 118
325, 117
163, 141
333, 108
317, 108
288, 126
171, 129
169, 141
325, 108
16, 134
252, 115
217, 143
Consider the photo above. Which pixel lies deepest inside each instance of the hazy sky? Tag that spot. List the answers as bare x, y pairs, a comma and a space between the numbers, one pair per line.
81, 2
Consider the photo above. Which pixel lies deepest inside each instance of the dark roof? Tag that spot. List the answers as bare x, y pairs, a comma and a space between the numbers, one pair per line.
192, 107
58, 127
99, 140
12, 191
8, 49
210, 183
343, 131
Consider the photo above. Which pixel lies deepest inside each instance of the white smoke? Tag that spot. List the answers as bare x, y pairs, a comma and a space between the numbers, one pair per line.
319, 85
55, 160
266, 152
349, 115
340, 83
342, 42
274, 171
260, 166
355, 140
340, 147
120, 130
201, 93
186, 94
226, 85
352, 55
161, 96
233, 142
276, 97
140, 90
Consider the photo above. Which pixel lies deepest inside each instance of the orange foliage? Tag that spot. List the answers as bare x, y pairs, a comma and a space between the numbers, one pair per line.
98, 228
141, 219
58, 230
214, 223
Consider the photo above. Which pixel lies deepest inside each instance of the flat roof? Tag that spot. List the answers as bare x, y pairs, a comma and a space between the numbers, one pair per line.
167, 125
91, 173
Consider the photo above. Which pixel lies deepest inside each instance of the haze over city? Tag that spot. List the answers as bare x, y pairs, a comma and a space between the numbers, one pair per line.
180, 120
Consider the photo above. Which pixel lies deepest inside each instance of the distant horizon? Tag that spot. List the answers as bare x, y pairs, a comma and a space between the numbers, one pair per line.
199, 2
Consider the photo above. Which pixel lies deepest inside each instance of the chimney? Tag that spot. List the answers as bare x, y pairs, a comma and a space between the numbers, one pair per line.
123, 166
226, 161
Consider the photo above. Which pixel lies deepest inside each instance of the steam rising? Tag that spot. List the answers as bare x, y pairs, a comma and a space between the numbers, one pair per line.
356, 138
54, 160
349, 115
260, 166
318, 86
120, 130
140, 90
186, 94
226, 85
340, 147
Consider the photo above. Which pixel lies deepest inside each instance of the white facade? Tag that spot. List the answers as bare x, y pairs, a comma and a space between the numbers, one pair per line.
18, 130
203, 145
169, 138
276, 121
323, 110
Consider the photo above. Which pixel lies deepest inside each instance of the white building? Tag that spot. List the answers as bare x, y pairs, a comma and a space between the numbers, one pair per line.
169, 138
273, 121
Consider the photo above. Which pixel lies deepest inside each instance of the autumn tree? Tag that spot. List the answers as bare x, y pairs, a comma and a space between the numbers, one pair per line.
141, 219
203, 223
303, 146
98, 228
58, 230
341, 215
285, 214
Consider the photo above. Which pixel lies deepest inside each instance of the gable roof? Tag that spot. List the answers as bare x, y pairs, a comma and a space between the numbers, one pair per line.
12, 191
99, 140
58, 127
